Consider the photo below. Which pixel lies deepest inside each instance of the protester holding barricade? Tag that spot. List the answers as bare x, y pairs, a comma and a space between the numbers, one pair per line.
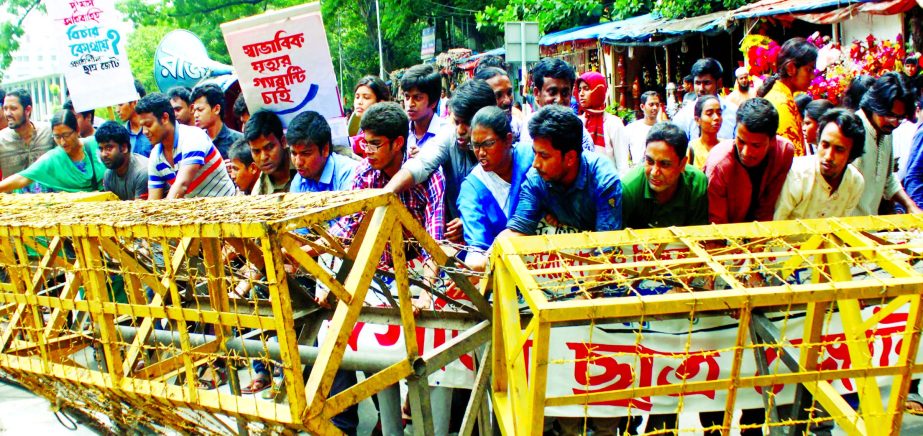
23, 141
199, 171
451, 151
421, 86
207, 109
243, 170
270, 153
126, 172
73, 166
318, 169
825, 185
745, 176
490, 193
368, 91
795, 71
128, 114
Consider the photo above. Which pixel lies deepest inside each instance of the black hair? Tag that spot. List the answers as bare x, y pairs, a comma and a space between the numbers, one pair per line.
378, 87
801, 101
856, 89
559, 125
553, 68
262, 124
240, 106
212, 93
647, 95
65, 117
115, 132
489, 73
426, 79
817, 108
493, 118
387, 119
889, 88
240, 150
2, 95
69, 105
469, 98
490, 61
181, 92
156, 104
308, 127
758, 115
672, 135
796, 50
705, 66
850, 126
25, 98
139, 88
687, 79
700, 104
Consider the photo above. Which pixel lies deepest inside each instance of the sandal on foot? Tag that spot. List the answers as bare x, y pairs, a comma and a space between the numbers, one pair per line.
914, 404
210, 384
258, 384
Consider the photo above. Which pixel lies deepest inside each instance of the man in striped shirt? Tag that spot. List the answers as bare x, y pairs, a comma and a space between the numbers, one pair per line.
183, 162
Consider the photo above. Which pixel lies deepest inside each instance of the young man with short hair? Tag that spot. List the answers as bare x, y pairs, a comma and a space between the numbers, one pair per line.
180, 99
499, 80
665, 191
270, 153
636, 131
706, 76
126, 174
581, 190
745, 176
207, 110
243, 170
824, 184
422, 87
128, 114
85, 120
199, 170
881, 109
318, 168
553, 84
23, 141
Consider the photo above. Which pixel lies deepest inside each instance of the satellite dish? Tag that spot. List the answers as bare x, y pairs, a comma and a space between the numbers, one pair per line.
181, 60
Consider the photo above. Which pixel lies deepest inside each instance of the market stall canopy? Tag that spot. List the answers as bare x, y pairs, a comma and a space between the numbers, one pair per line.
823, 12
472, 61
667, 31
594, 31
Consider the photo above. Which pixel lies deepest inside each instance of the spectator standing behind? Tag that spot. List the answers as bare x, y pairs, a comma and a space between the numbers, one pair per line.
421, 87
795, 66
856, 89
126, 172
127, 113
270, 153
369, 90
244, 171
706, 74
708, 116
3, 121
812, 113
207, 107
745, 176
70, 167
499, 80
199, 172
241, 111
553, 83
451, 151
490, 193
85, 120
743, 90
636, 131
690, 94
580, 189
181, 101
665, 191
902, 139
606, 130
22, 142
883, 106
825, 185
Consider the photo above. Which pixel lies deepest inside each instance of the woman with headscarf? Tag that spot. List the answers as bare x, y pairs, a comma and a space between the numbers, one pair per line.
605, 129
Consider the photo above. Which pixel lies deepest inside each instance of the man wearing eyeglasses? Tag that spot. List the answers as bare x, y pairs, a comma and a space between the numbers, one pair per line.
881, 110
451, 151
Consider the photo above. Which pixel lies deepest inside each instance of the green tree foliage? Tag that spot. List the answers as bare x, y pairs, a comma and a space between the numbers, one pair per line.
11, 31
142, 43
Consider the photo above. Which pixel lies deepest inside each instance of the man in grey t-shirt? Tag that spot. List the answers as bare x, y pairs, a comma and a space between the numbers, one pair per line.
127, 174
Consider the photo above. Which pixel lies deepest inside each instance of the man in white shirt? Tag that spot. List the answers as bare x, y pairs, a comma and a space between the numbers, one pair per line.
824, 184
637, 131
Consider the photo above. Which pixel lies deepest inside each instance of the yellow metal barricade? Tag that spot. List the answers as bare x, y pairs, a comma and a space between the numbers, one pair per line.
809, 322
128, 304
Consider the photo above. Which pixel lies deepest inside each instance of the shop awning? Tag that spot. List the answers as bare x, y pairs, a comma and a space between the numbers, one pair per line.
594, 31
667, 31
767, 8
824, 12
471, 61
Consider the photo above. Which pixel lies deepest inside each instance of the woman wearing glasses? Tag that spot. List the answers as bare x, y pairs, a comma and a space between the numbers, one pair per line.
72, 166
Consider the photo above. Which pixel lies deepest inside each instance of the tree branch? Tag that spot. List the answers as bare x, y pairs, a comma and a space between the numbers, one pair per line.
217, 7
